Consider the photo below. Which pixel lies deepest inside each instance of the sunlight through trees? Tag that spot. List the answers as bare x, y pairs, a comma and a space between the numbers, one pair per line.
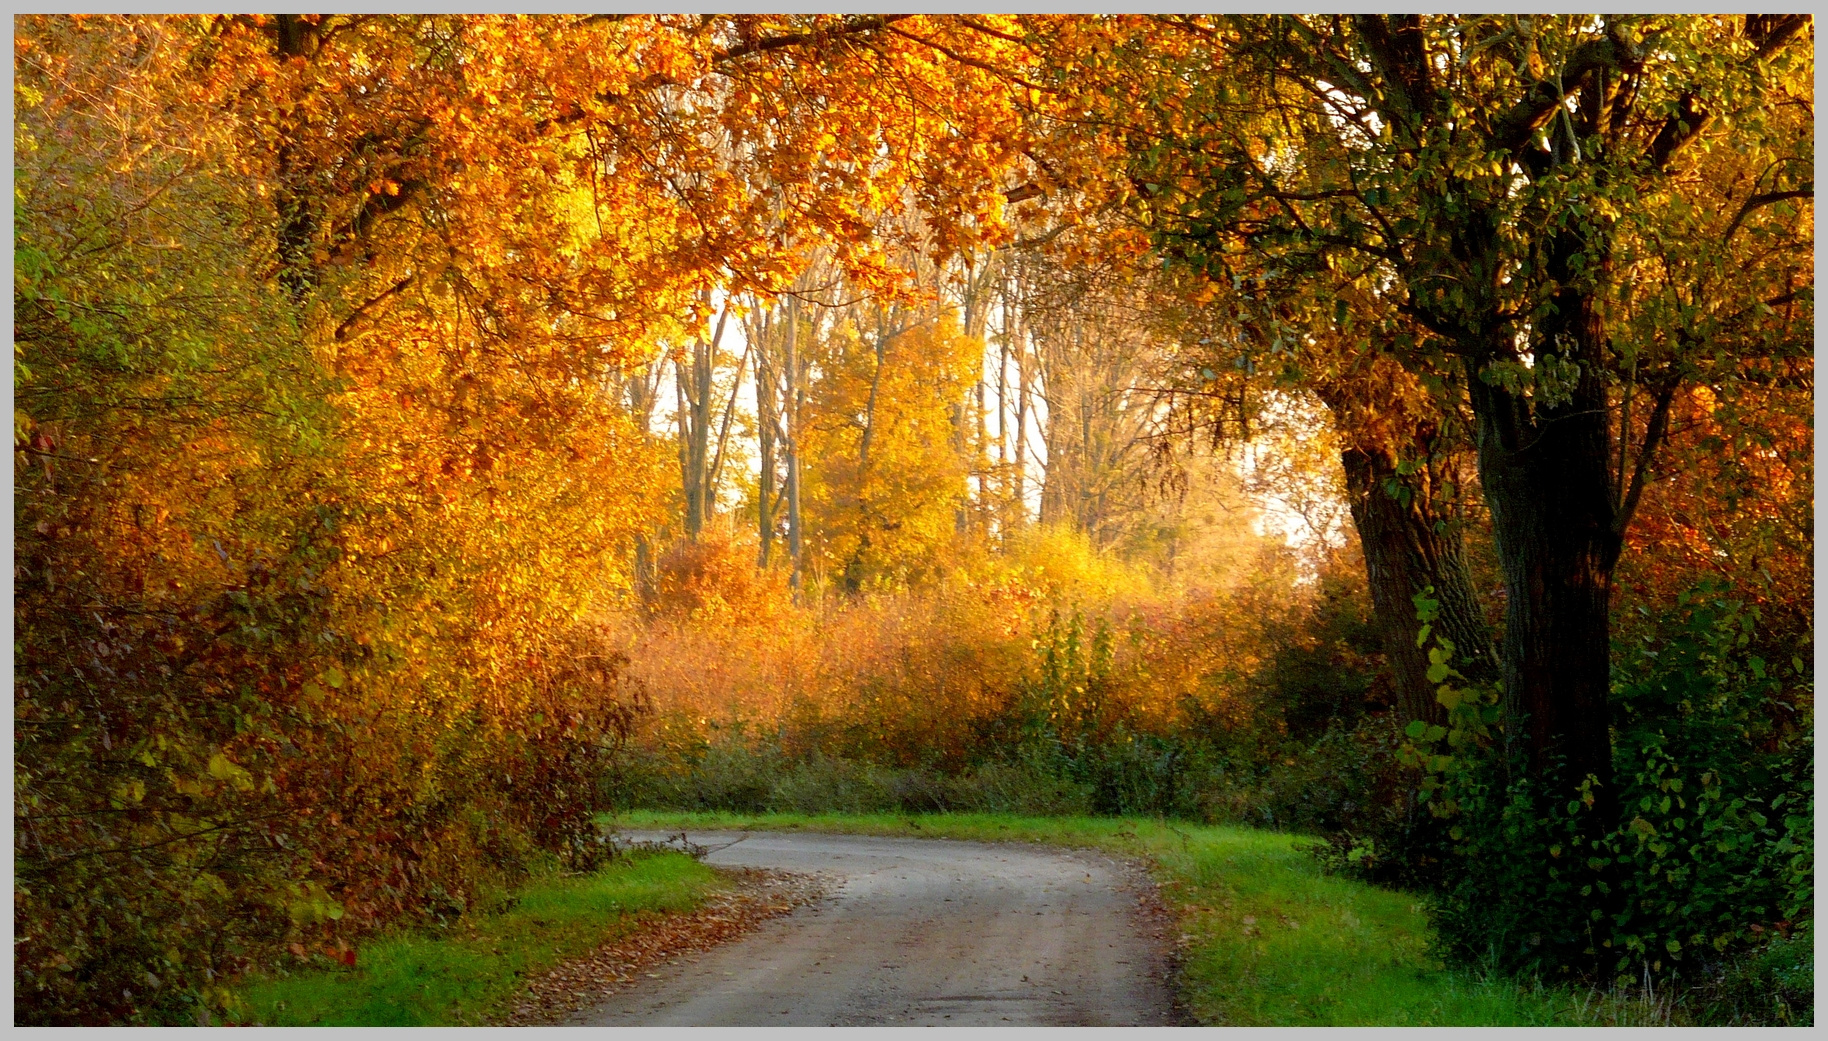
434, 431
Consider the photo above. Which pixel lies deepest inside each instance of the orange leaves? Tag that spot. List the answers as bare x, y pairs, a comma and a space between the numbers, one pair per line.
927, 675
316, 524
321, 313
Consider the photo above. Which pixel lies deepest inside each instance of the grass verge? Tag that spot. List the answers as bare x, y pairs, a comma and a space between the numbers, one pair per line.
463, 974
1267, 939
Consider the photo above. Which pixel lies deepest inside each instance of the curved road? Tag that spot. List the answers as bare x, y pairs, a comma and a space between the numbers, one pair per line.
920, 932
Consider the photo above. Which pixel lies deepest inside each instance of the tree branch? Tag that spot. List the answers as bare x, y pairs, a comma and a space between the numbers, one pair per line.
1757, 202
1678, 130
966, 60
343, 328
851, 26
1772, 32
1513, 129
1653, 437
723, 435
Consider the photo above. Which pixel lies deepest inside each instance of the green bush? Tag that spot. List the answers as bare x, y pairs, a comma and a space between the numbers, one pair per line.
736, 771
1350, 788
1066, 721
728, 773
1709, 854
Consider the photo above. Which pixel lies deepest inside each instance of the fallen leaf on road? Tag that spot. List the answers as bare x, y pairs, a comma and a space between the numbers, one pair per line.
564, 992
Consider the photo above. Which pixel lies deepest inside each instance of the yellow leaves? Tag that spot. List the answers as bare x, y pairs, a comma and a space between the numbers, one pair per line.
883, 474
222, 768
308, 903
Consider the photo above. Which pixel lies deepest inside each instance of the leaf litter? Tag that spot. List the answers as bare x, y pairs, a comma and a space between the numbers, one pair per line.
757, 895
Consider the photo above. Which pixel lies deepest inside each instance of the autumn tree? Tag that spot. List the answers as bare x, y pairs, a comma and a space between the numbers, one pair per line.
886, 475
1507, 184
1406, 469
325, 325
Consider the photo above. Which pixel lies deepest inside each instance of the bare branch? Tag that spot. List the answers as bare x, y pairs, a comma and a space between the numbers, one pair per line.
1653, 438
1758, 202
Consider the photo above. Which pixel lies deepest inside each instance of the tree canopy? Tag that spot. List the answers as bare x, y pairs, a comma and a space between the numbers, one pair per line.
372, 370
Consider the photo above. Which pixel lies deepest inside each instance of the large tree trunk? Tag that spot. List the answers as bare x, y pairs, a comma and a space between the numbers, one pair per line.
1405, 553
1547, 482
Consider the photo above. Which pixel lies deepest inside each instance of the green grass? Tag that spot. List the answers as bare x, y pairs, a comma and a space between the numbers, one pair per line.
462, 974
1268, 940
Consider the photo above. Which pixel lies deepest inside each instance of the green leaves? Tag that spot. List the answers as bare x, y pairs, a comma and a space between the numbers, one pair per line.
307, 903
1692, 856
1421, 731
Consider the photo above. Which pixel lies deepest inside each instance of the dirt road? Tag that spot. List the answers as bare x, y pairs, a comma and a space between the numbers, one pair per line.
921, 931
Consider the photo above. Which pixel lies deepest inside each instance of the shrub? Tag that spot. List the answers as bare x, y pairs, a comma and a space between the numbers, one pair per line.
296, 647
754, 776
1035, 679
1709, 854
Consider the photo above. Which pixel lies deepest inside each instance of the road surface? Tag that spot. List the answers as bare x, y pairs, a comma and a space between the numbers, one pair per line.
921, 932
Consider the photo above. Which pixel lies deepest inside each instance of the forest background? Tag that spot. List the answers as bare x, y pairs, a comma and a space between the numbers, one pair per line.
431, 432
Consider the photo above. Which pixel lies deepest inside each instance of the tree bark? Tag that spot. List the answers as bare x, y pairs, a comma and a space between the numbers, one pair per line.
1405, 553
695, 390
641, 389
1002, 463
881, 350
1547, 481
766, 418
792, 444
1022, 359
723, 431
293, 37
